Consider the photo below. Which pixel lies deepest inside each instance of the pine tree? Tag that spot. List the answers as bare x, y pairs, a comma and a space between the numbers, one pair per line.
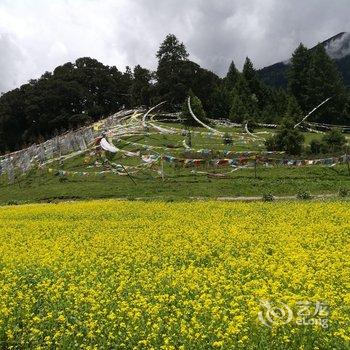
268, 114
171, 50
286, 139
141, 87
256, 87
176, 75
244, 103
238, 111
275, 106
250, 75
298, 76
220, 101
324, 81
280, 101
231, 78
293, 113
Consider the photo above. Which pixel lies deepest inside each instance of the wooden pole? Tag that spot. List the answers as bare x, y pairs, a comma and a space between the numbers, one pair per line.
130, 177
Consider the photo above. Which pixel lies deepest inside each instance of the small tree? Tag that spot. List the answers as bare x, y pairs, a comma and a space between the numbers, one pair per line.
316, 146
197, 109
286, 139
335, 140
293, 112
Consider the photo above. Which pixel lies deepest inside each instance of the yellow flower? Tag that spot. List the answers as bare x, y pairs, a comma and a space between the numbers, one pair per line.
114, 274
218, 344
61, 319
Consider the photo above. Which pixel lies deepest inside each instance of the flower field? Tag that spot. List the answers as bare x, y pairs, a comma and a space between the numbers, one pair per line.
198, 275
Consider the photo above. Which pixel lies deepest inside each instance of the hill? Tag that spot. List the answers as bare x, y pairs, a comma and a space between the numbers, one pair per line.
337, 47
156, 154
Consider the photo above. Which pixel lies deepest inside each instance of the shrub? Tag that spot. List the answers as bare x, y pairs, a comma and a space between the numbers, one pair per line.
315, 146
268, 197
304, 195
335, 140
343, 192
286, 139
12, 202
227, 139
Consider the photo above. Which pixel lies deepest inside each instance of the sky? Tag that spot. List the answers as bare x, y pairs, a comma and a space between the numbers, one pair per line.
38, 35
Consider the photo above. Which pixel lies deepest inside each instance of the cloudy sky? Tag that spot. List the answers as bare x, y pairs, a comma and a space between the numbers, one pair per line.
38, 35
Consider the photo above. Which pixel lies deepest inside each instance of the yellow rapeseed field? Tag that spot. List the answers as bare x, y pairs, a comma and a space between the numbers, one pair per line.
136, 275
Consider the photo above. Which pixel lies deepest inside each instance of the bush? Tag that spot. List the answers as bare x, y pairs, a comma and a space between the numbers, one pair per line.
12, 202
315, 146
286, 139
270, 144
227, 139
343, 192
334, 140
268, 197
304, 195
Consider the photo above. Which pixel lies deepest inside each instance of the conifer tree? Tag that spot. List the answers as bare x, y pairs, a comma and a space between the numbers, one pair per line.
324, 81
251, 76
298, 76
255, 85
286, 139
244, 103
238, 111
141, 86
171, 50
293, 113
220, 101
231, 78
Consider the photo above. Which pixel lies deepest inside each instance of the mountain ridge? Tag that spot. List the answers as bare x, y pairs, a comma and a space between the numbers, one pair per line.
337, 47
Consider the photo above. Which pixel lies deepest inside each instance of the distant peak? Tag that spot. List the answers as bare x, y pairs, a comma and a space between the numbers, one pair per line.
335, 37
338, 46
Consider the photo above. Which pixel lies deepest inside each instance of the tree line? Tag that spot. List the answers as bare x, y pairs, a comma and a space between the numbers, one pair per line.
79, 93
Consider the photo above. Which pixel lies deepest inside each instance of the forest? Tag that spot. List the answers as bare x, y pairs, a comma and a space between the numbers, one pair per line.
76, 94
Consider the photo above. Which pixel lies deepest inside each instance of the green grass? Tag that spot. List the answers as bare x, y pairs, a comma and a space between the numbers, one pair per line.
179, 183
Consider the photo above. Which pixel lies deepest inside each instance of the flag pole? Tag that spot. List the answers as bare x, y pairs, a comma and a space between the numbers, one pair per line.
130, 177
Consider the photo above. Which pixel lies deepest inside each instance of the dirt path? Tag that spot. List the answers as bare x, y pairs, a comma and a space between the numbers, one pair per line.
276, 198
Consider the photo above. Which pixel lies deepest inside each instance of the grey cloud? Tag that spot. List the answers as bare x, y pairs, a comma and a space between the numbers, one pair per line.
339, 47
37, 36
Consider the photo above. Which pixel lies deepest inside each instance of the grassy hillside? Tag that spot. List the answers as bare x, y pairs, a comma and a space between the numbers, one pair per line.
83, 178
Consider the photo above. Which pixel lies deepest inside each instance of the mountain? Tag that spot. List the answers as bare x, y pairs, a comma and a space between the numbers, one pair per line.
337, 47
